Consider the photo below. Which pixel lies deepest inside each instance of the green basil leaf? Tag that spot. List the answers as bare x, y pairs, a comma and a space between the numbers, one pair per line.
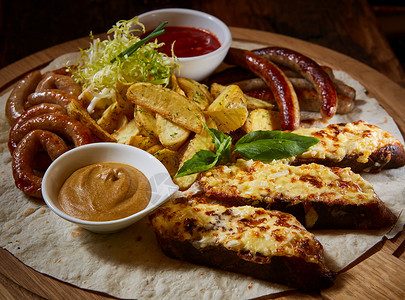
271, 145
202, 161
222, 143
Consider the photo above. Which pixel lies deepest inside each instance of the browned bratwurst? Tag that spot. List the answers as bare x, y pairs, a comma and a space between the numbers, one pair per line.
310, 70
15, 104
277, 81
23, 157
54, 96
60, 82
60, 124
37, 110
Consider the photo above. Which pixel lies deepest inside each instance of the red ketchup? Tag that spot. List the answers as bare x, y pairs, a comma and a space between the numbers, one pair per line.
189, 41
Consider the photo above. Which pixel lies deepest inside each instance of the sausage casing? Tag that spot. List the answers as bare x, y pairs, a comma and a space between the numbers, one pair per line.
310, 70
15, 104
278, 83
24, 155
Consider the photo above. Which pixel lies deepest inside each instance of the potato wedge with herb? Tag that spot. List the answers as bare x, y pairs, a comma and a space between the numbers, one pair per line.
202, 141
229, 110
174, 83
147, 121
196, 92
126, 132
251, 102
167, 103
142, 142
79, 113
110, 117
155, 148
170, 134
262, 119
169, 158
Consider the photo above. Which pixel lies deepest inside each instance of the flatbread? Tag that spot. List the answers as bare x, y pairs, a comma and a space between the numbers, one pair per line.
130, 264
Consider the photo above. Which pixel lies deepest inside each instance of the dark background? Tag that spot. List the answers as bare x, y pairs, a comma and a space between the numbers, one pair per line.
30, 26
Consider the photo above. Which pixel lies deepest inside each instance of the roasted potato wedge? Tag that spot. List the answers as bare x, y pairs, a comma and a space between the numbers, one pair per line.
170, 134
196, 92
146, 120
126, 132
229, 109
167, 103
175, 85
169, 158
262, 119
202, 141
79, 113
110, 117
155, 148
254, 103
251, 102
142, 142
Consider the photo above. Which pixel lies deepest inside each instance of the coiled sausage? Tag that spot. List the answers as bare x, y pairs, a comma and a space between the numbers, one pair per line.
60, 82
22, 159
57, 123
15, 104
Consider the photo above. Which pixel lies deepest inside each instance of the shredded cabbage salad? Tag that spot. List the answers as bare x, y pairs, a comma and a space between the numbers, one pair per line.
102, 79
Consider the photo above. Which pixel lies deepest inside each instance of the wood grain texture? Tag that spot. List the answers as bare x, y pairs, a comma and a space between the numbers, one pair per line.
346, 26
380, 276
18, 280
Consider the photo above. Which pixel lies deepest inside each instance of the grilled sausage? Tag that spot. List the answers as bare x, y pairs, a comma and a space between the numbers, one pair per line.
15, 104
278, 83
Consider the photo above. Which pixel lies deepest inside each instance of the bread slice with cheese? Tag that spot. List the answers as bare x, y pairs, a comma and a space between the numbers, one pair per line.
318, 196
268, 245
358, 145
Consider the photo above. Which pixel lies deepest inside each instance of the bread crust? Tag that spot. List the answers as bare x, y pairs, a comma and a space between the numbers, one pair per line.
373, 215
268, 245
318, 196
387, 157
290, 271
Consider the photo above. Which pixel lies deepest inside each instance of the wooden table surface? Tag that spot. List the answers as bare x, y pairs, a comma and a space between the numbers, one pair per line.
378, 274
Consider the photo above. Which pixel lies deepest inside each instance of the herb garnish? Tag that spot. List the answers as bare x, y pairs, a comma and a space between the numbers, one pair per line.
257, 145
155, 33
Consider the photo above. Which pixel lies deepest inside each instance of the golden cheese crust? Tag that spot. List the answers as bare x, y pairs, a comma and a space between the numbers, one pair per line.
358, 145
190, 229
317, 195
254, 233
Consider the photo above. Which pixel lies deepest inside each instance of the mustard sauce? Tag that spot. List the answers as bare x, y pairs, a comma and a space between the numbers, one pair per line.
104, 192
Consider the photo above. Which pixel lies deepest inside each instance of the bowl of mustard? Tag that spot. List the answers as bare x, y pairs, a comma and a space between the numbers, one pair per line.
106, 187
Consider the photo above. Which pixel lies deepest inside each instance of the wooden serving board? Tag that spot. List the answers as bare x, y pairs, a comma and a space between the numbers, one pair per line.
378, 274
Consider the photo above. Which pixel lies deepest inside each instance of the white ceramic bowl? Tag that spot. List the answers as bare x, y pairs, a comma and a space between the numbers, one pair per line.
198, 67
160, 180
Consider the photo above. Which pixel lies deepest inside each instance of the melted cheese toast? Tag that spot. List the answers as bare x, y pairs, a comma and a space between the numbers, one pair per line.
191, 229
358, 145
317, 195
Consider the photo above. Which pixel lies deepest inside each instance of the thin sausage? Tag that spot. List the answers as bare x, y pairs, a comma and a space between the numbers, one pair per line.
15, 105
308, 97
278, 83
310, 70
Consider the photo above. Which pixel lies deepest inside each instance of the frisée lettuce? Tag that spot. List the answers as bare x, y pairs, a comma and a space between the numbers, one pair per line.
102, 72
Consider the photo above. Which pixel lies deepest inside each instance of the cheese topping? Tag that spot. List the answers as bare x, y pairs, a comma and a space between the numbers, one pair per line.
256, 234
258, 182
339, 141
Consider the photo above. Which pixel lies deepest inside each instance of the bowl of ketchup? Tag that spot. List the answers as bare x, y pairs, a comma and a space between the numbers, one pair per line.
199, 41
